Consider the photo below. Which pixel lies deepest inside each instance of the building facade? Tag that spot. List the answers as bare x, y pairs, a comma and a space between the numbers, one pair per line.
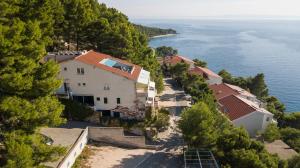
242, 108
109, 85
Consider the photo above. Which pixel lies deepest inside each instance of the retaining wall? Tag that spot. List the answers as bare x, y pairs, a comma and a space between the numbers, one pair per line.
75, 150
115, 135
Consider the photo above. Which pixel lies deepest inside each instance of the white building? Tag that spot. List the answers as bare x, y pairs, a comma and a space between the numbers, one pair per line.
243, 112
242, 108
112, 86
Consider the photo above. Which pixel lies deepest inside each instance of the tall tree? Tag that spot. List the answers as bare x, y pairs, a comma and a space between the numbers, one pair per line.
258, 86
165, 51
78, 14
198, 126
26, 85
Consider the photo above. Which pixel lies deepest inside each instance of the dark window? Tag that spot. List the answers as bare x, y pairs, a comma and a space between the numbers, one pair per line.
117, 114
65, 69
80, 71
105, 100
118, 100
89, 100
79, 84
66, 87
106, 87
98, 98
83, 84
106, 113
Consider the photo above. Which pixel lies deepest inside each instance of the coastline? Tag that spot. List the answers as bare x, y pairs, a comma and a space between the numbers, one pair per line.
161, 36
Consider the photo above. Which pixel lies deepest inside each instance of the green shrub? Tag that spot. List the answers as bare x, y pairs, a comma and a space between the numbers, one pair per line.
75, 110
291, 136
271, 133
294, 162
163, 111
161, 121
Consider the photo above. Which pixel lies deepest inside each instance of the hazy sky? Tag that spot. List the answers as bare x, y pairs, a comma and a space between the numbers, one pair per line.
205, 8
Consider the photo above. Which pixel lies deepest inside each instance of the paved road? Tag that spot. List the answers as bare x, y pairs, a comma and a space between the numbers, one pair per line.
173, 97
171, 154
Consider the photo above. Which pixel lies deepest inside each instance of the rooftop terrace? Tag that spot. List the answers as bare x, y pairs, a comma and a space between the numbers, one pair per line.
116, 64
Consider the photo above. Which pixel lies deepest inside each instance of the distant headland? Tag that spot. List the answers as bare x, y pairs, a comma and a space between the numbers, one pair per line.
154, 32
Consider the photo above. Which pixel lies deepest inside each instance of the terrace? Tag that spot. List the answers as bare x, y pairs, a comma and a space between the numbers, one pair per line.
117, 65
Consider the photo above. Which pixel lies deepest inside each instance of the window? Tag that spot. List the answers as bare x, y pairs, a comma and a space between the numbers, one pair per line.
105, 100
268, 119
65, 68
98, 98
79, 84
106, 87
83, 84
80, 71
118, 100
75, 154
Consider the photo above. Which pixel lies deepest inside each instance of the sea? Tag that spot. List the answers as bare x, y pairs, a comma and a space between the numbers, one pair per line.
244, 48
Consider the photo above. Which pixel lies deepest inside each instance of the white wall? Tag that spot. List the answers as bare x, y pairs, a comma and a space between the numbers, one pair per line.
96, 79
75, 151
253, 122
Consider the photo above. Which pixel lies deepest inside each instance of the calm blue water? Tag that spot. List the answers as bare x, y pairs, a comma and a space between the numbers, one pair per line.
243, 48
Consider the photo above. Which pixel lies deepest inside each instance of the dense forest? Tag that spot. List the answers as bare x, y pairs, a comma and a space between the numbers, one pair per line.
153, 31
30, 29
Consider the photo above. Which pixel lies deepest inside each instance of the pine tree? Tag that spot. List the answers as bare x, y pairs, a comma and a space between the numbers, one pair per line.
26, 86
258, 86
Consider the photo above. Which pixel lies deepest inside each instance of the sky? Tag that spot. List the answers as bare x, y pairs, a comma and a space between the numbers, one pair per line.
193, 9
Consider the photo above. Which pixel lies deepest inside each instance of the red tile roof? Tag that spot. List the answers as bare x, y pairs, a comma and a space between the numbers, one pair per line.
94, 58
222, 90
205, 72
173, 60
234, 107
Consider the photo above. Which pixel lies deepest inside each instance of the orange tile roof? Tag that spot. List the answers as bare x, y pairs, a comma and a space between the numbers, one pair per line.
93, 58
222, 90
205, 72
173, 60
234, 107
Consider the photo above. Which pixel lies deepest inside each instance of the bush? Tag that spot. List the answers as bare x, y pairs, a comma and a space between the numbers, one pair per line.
294, 162
163, 111
271, 133
75, 110
291, 136
161, 121
292, 120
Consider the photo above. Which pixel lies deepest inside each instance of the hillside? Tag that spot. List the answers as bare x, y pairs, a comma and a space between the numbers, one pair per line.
154, 31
